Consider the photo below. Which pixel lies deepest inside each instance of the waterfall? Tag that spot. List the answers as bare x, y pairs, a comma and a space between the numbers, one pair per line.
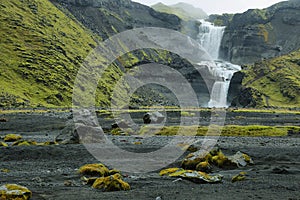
210, 37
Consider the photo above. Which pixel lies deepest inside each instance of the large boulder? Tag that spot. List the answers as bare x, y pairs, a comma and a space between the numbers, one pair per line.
82, 129
154, 118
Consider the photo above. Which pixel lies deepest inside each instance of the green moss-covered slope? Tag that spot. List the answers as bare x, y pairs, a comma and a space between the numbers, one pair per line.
272, 83
41, 50
44, 43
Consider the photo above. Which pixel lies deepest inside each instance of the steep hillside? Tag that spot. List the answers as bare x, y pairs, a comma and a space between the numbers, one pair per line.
44, 43
270, 83
261, 34
183, 10
41, 49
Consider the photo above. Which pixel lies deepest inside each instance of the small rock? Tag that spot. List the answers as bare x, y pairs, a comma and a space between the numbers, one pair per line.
68, 183
280, 170
121, 124
3, 120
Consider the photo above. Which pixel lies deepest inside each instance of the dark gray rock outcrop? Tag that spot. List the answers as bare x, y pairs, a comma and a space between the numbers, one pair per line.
108, 17
260, 34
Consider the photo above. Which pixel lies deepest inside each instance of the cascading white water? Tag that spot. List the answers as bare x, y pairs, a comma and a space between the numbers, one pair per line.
210, 37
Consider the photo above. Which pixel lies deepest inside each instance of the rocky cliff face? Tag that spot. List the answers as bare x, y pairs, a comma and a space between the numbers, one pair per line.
261, 34
108, 17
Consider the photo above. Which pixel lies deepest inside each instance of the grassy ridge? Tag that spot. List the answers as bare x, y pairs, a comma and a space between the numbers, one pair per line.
41, 50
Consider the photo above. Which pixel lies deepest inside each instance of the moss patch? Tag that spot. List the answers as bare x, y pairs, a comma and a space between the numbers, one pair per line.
229, 130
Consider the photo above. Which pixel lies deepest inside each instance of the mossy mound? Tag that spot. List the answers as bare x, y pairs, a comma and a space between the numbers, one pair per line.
96, 169
12, 137
111, 183
102, 178
240, 177
14, 192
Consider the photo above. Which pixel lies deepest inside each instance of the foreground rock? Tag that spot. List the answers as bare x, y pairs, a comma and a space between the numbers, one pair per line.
14, 192
202, 161
83, 129
100, 177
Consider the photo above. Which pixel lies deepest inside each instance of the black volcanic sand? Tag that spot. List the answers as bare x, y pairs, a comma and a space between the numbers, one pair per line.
50, 172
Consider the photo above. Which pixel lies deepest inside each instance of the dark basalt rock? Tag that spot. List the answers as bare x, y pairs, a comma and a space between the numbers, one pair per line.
235, 86
261, 34
107, 17
248, 97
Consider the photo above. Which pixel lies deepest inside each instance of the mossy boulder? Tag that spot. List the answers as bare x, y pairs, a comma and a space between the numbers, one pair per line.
240, 177
168, 171
96, 169
204, 167
14, 192
111, 183
205, 162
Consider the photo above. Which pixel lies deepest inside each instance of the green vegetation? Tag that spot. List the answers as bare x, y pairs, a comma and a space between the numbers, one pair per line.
41, 51
277, 80
230, 130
